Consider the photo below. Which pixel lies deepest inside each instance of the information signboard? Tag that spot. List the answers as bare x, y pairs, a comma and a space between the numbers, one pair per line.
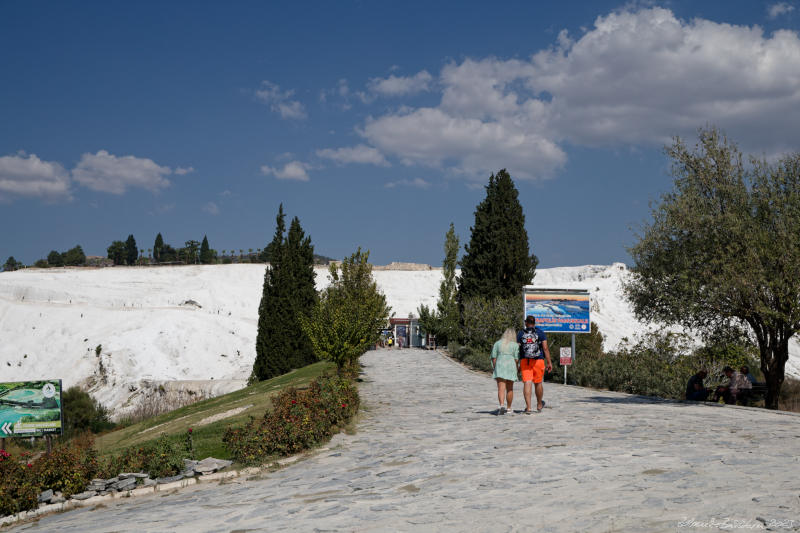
558, 310
566, 356
30, 408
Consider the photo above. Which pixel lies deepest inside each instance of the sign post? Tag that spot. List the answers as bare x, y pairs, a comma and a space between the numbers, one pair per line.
30, 408
559, 311
565, 360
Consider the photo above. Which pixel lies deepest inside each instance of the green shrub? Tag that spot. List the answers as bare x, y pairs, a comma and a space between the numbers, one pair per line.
68, 468
18, 489
158, 458
485, 320
299, 420
476, 358
82, 413
659, 364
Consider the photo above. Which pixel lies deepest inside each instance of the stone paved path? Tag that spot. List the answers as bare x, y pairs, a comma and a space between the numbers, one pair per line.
430, 456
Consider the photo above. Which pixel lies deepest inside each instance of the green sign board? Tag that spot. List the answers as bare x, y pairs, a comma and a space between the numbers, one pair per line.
30, 408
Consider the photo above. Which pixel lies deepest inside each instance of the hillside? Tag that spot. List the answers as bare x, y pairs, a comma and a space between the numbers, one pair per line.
194, 327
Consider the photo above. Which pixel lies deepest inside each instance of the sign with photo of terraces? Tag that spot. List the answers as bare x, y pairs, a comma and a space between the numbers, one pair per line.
30, 408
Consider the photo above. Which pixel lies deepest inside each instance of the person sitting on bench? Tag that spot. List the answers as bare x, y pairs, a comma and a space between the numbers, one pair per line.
695, 390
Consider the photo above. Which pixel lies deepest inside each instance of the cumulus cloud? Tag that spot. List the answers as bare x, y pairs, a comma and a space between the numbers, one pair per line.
356, 154
280, 101
401, 85
211, 208
464, 145
106, 172
181, 171
25, 175
416, 182
646, 75
781, 8
293, 170
638, 76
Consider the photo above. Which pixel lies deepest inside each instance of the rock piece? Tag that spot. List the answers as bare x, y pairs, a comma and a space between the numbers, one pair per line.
46, 496
125, 484
210, 465
137, 475
84, 495
170, 479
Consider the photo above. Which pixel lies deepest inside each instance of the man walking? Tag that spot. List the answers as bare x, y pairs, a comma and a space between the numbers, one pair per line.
532, 353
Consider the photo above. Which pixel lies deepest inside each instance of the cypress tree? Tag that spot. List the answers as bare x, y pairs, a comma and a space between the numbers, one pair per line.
158, 245
131, 250
497, 261
288, 293
205, 252
269, 357
298, 278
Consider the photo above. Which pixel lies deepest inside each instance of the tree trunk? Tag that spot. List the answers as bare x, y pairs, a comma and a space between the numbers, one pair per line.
774, 354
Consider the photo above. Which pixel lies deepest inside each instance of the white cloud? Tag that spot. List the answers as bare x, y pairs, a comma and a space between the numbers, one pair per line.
466, 146
416, 182
211, 208
106, 172
356, 154
401, 85
293, 170
181, 171
639, 76
280, 101
24, 175
781, 8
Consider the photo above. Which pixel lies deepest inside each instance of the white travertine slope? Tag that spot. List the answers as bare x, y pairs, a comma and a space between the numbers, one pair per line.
196, 325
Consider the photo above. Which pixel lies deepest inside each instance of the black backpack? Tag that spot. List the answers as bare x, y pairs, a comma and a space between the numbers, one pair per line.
529, 345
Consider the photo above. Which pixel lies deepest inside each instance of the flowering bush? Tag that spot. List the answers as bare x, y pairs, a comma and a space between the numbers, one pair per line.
18, 490
68, 468
159, 458
300, 419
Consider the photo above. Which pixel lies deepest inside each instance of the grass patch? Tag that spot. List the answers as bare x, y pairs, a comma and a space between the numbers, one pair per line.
253, 400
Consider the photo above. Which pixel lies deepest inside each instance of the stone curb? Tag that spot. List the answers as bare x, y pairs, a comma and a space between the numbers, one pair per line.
147, 491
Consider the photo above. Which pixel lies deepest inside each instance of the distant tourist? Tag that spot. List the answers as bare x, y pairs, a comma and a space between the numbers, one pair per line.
532, 352
738, 387
695, 389
745, 371
505, 362
741, 387
390, 341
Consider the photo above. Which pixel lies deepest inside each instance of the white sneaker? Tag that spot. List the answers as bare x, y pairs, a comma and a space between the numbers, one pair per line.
509, 411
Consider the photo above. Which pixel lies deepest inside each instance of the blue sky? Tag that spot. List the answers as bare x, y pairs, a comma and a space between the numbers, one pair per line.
376, 123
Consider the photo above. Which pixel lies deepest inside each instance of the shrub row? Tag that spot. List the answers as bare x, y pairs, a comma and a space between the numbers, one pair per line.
299, 420
72, 465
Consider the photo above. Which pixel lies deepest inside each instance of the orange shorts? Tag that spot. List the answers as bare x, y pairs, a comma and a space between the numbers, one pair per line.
532, 369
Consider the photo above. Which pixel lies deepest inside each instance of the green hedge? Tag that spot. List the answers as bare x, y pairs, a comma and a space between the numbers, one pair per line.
299, 420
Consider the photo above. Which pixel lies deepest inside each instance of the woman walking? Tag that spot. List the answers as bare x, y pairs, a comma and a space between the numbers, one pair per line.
505, 362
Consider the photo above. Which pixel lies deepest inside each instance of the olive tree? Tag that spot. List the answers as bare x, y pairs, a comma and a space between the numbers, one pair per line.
723, 249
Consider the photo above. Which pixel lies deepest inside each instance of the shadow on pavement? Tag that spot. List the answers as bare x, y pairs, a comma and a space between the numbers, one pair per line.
641, 400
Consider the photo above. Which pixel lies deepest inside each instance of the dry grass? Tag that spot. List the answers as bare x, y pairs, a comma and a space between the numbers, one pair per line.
790, 396
162, 402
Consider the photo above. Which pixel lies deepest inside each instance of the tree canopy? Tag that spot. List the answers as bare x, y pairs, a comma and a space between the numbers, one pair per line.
288, 294
497, 261
350, 313
723, 249
443, 320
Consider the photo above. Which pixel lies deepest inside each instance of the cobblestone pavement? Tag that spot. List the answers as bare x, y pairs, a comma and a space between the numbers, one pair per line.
429, 455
